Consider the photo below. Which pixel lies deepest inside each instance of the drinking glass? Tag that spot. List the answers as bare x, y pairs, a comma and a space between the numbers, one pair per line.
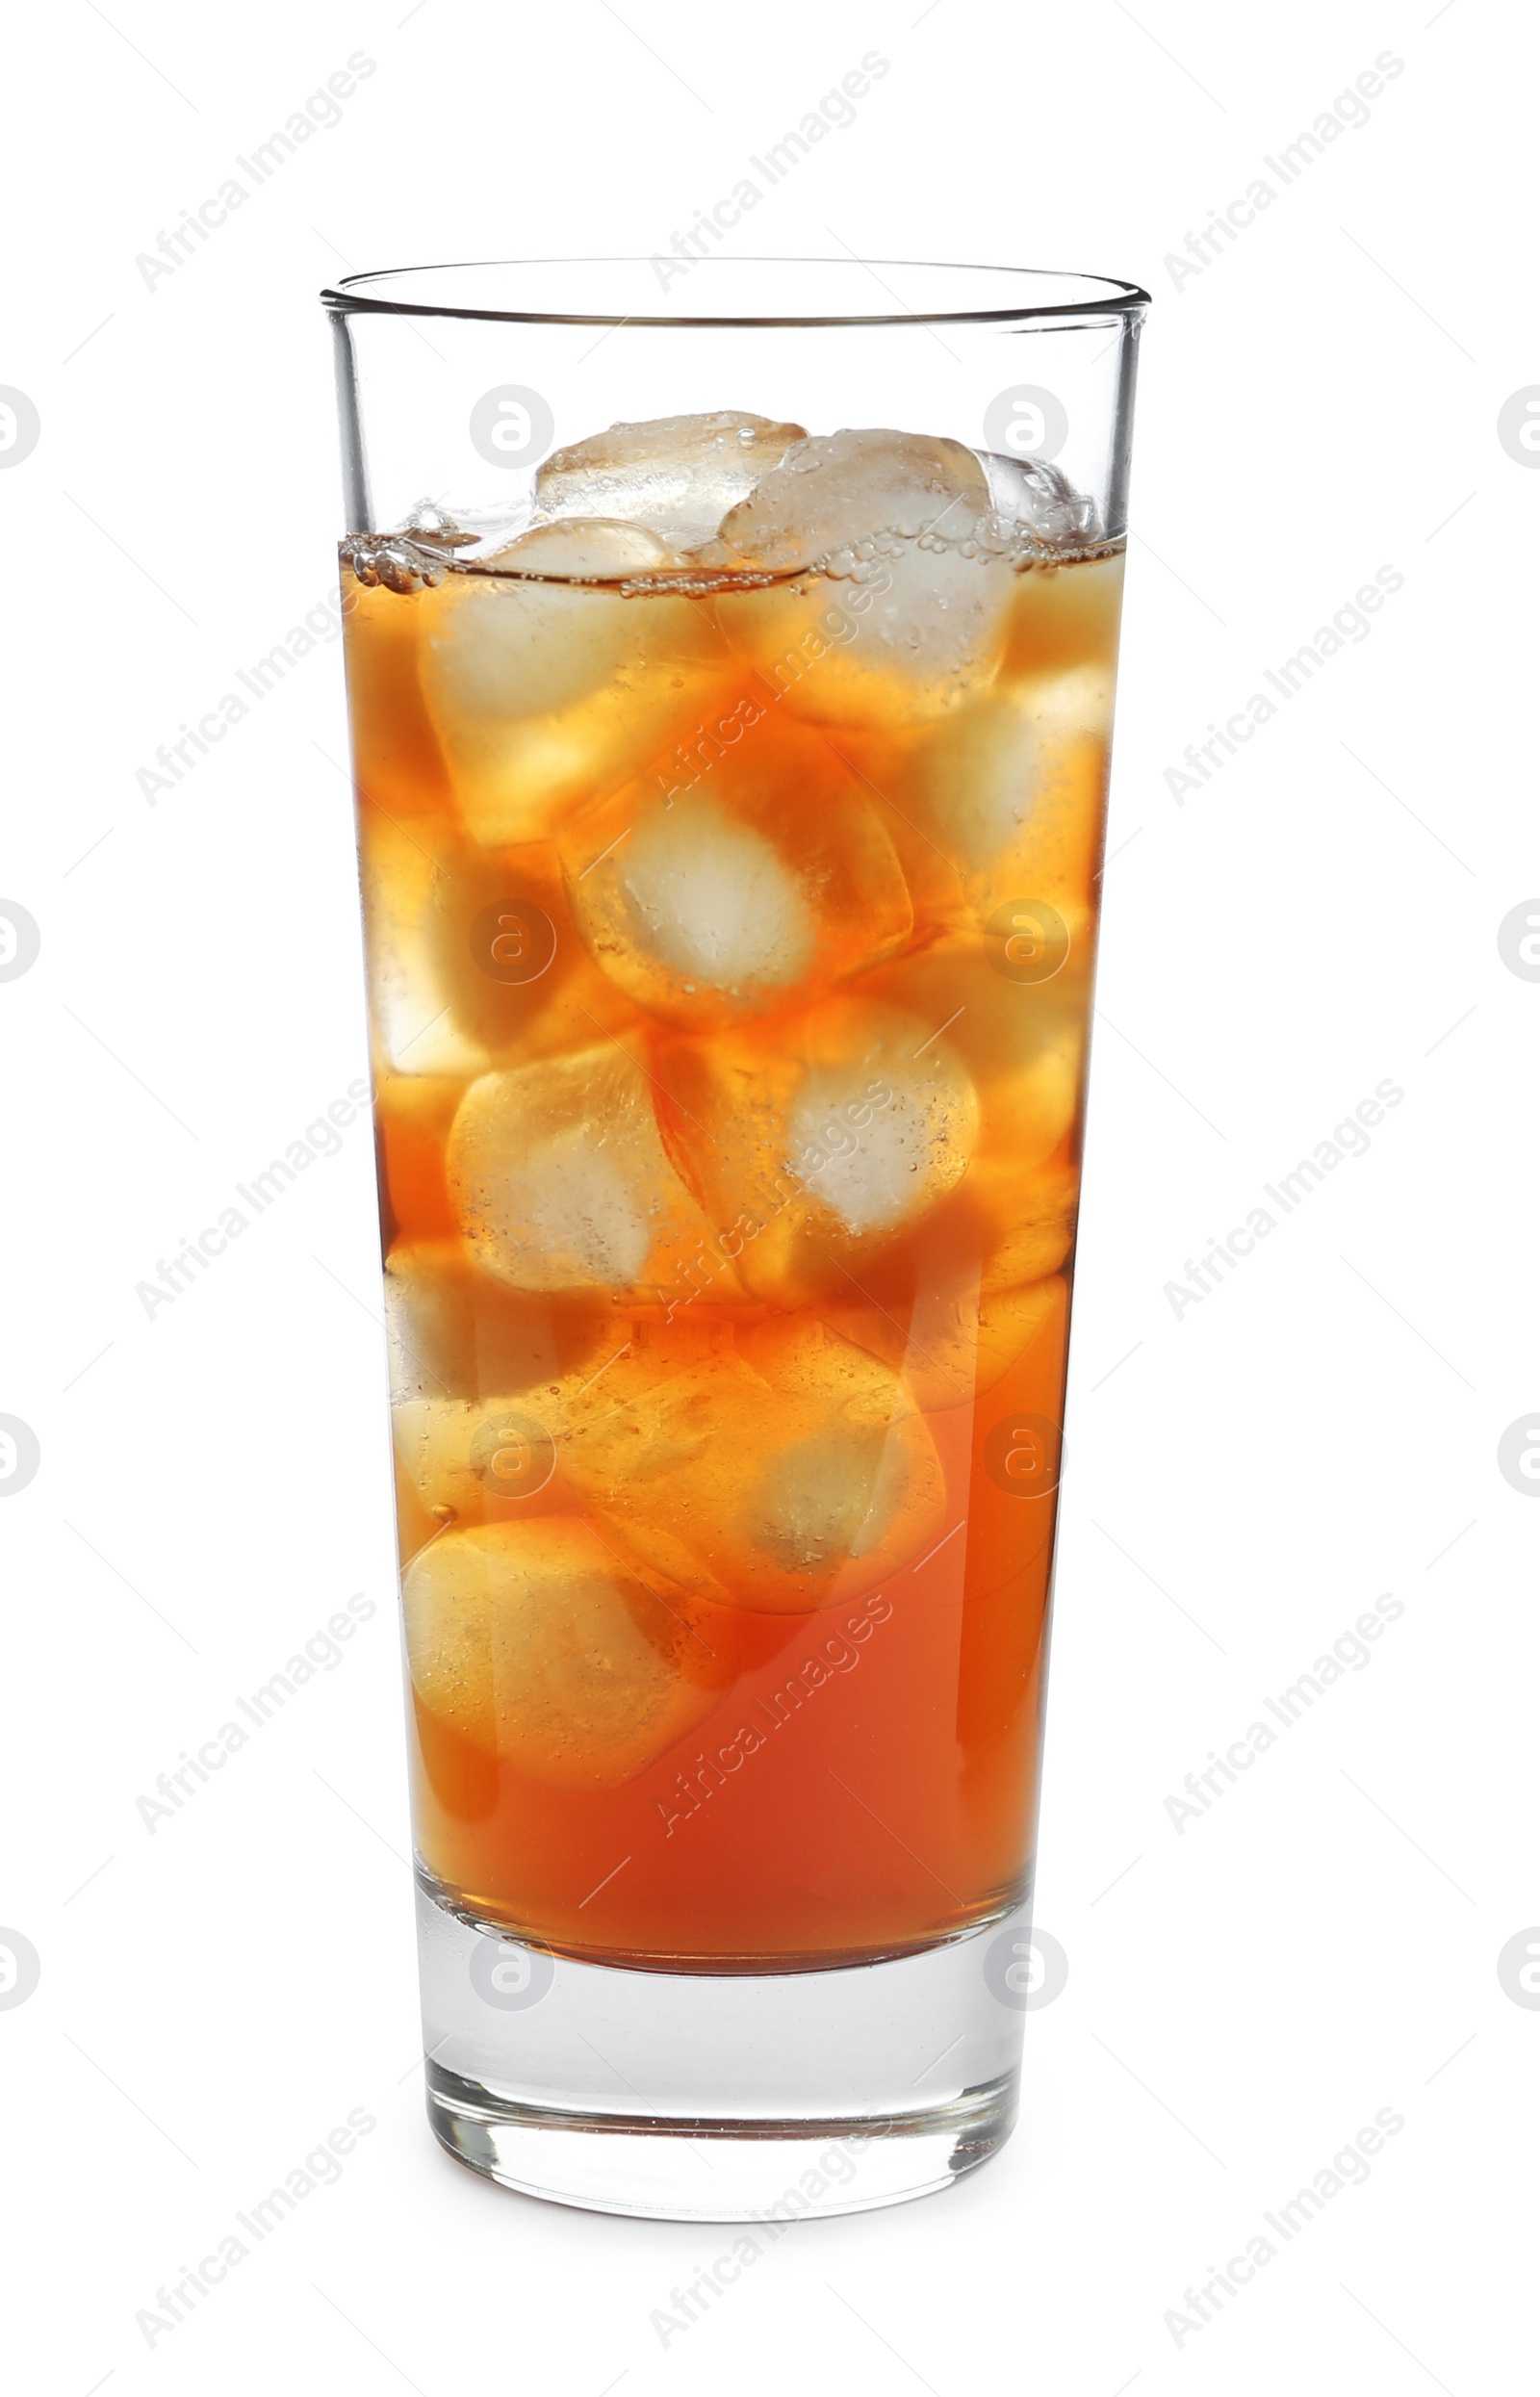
730, 654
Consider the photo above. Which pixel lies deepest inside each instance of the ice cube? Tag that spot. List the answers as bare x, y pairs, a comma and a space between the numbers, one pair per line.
829, 498
561, 1183
472, 956
850, 1487
408, 872
475, 1373
790, 1474
583, 549
681, 474
452, 1332
532, 1642
543, 692
771, 868
916, 617
1038, 507
1011, 788
486, 1461
489, 1386
1022, 1043
817, 1144
1023, 1216
1024, 1047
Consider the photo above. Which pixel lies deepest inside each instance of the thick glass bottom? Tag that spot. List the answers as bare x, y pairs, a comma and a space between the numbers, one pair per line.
757, 2096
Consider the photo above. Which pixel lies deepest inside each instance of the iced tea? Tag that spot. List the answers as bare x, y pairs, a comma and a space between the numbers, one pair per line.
731, 831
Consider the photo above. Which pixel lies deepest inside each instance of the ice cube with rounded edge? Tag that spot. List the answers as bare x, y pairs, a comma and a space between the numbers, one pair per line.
476, 957
772, 871
408, 875
787, 1473
474, 1369
484, 1460
852, 1488
1011, 787
545, 692
453, 1332
914, 622
532, 1642
1023, 1216
1037, 504
820, 1143
681, 474
1023, 1044
829, 496
561, 1183
485, 1379
1022, 1041
583, 549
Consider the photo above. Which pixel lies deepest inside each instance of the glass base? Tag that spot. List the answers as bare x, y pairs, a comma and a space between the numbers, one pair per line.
711, 2097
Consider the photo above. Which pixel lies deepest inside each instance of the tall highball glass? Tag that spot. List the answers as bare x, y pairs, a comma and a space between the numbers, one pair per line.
730, 658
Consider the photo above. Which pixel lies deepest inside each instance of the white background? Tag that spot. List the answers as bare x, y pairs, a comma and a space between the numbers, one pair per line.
1321, 401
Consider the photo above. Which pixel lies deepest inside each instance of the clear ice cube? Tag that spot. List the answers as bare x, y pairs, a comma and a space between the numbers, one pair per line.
681, 474
1011, 790
814, 1148
901, 609
827, 498
561, 1182
532, 1642
771, 870
546, 693
787, 1474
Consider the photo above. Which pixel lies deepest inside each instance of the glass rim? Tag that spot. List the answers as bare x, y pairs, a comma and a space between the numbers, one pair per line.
1105, 296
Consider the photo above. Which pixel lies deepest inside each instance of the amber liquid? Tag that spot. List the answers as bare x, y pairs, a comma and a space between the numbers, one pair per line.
769, 1728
